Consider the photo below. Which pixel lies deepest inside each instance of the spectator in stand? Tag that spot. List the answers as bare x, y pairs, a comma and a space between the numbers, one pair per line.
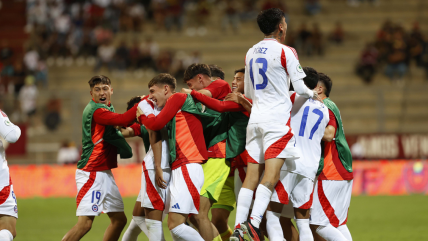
303, 42
41, 74
6, 52
276, 4
313, 7
136, 12
28, 96
396, 59
164, 62
149, 51
231, 16
416, 45
368, 63
122, 56
53, 118
6, 73
179, 70
174, 15
19, 75
159, 13
68, 154
105, 56
134, 55
338, 34
195, 58
31, 59
317, 40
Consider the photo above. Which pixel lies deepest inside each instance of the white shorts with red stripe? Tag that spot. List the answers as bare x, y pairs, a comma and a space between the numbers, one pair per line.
8, 204
185, 188
151, 195
295, 188
331, 202
270, 140
97, 192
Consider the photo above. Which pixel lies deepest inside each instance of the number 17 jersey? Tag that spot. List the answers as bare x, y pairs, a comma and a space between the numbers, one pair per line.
269, 68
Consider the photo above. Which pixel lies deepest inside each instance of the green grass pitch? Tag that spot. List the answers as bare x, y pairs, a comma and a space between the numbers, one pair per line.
370, 218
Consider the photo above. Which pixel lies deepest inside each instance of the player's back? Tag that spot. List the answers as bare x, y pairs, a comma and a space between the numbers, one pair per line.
309, 123
270, 65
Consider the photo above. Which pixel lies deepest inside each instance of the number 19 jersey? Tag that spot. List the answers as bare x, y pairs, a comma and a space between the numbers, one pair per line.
269, 67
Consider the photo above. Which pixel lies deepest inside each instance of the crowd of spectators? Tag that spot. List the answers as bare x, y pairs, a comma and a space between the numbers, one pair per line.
394, 49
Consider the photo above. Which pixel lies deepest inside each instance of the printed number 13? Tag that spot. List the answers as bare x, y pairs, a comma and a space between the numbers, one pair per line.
262, 72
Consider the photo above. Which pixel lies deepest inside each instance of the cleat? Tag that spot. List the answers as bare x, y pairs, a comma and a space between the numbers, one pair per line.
250, 232
237, 235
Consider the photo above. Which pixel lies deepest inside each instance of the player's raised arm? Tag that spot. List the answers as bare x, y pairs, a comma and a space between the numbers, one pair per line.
217, 105
105, 117
8, 130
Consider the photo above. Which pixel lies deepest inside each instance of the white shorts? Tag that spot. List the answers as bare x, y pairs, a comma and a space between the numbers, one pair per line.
151, 195
240, 174
270, 140
185, 188
97, 192
8, 204
331, 202
295, 188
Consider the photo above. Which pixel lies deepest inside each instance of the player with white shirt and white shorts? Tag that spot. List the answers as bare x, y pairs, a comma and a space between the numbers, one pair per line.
8, 205
309, 119
271, 66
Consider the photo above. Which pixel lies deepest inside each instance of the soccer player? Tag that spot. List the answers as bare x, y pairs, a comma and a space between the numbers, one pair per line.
154, 192
187, 151
332, 194
101, 142
216, 170
269, 66
309, 117
8, 204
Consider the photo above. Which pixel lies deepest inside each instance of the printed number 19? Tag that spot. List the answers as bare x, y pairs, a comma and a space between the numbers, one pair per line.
96, 195
262, 72
304, 119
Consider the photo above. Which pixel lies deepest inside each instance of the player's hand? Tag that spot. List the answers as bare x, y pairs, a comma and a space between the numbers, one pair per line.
316, 97
159, 178
186, 91
142, 96
232, 97
139, 112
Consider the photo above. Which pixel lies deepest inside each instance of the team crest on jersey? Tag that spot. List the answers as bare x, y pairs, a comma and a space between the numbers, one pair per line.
299, 68
7, 122
15, 209
95, 208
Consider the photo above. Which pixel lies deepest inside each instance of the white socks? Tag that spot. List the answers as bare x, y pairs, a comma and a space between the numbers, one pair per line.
273, 226
155, 230
185, 233
141, 222
132, 232
305, 233
330, 233
6, 235
345, 231
263, 195
245, 198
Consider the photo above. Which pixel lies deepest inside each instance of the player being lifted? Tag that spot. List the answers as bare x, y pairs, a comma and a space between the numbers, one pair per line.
270, 66
101, 142
8, 205
186, 148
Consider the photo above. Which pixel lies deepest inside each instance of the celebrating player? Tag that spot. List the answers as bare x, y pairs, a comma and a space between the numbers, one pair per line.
270, 140
186, 148
8, 205
101, 142
309, 118
216, 170
332, 194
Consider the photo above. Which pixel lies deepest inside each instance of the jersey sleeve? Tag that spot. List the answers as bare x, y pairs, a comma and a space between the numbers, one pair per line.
290, 62
172, 106
147, 107
137, 129
105, 117
8, 130
217, 105
219, 89
332, 121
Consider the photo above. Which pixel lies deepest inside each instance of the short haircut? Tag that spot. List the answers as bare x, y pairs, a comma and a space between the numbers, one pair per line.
242, 70
326, 81
131, 103
163, 79
269, 19
195, 69
312, 78
99, 79
216, 71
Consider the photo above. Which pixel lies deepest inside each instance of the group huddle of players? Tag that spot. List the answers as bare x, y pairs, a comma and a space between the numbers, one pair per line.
272, 146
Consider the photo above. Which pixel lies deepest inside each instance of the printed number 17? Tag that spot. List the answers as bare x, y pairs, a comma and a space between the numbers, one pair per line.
305, 118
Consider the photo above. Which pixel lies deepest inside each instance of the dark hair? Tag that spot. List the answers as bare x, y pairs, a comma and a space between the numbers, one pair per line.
132, 102
195, 69
240, 71
99, 79
216, 71
163, 79
269, 19
312, 78
326, 82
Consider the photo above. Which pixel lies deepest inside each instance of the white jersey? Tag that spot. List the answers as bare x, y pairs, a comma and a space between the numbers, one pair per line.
10, 133
149, 159
271, 66
309, 119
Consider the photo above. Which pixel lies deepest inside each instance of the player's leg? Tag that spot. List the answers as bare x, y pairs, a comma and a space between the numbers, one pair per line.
273, 225
302, 198
290, 232
179, 230
117, 223
114, 207
7, 227
137, 223
202, 222
220, 211
302, 222
345, 231
83, 225
8, 213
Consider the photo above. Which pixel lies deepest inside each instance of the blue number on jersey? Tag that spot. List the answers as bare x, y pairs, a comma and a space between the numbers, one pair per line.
262, 72
305, 118
96, 195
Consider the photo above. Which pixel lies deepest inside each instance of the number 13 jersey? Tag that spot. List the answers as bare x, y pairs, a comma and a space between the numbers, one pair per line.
269, 67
